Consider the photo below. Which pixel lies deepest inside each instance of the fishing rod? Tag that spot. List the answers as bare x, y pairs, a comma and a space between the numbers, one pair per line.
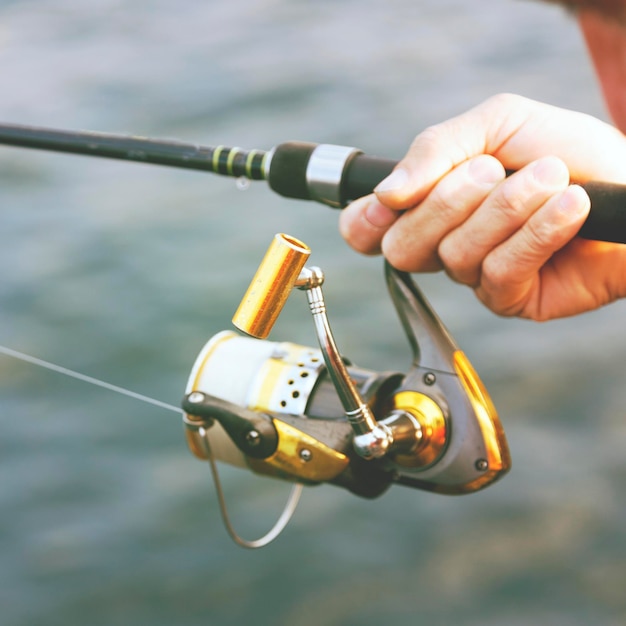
307, 415
329, 174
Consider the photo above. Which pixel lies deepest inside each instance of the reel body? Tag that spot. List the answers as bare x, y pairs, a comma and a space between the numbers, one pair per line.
288, 385
309, 416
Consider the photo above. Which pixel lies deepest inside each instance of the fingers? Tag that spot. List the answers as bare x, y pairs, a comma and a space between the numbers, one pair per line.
433, 154
441, 148
515, 130
448, 205
511, 278
504, 212
468, 214
412, 243
364, 223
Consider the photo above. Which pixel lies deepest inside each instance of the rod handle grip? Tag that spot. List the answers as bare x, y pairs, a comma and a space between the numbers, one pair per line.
361, 173
606, 220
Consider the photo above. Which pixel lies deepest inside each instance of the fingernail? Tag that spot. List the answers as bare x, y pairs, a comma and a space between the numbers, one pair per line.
485, 169
379, 216
574, 202
394, 182
551, 172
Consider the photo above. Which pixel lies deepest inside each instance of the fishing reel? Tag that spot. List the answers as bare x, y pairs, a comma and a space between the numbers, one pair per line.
307, 415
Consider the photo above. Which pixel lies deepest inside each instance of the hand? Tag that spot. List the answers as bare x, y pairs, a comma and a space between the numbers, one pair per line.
449, 205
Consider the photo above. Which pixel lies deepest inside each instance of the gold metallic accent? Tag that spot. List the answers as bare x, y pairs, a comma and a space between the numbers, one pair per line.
497, 451
193, 438
270, 374
284, 381
217, 341
271, 286
300, 456
434, 436
193, 441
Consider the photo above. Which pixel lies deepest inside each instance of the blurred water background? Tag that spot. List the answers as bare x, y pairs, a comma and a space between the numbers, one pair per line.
122, 271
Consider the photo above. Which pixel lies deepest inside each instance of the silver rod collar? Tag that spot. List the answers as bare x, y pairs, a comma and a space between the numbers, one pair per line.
324, 172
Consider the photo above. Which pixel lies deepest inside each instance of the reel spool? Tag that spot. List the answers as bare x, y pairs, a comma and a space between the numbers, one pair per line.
308, 416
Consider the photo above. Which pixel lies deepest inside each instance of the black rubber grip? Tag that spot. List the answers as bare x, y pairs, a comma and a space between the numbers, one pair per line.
287, 174
607, 218
362, 174
606, 221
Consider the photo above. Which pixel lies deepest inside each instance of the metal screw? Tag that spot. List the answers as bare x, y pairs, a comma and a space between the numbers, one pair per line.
481, 465
253, 438
306, 455
429, 378
196, 397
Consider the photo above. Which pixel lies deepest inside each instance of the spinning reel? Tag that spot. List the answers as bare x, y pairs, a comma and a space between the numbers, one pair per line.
307, 415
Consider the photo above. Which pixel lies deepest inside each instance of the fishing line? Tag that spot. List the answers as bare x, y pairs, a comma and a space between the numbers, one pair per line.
294, 495
86, 379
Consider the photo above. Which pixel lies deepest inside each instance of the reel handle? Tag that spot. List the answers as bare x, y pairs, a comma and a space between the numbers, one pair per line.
271, 285
280, 271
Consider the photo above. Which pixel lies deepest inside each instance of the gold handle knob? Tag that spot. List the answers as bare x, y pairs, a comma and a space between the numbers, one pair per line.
271, 286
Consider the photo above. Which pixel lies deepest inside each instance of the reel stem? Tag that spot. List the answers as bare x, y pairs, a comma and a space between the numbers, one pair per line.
372, 440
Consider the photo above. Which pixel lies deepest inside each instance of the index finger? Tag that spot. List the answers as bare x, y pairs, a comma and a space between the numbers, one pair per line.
440, 148
516, 131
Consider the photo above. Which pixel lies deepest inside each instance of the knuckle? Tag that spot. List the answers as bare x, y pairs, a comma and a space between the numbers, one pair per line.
502, 306
503, 101
509, 201
448, 205
452, 255
537, 237
458, 262
496, 274
429, 139
396, 255
409, 258
541, 238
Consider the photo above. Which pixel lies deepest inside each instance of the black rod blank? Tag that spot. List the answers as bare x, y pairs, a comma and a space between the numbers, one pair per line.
219, 160
285, 168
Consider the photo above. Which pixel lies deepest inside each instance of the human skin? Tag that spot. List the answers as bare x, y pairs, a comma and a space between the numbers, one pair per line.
448, 204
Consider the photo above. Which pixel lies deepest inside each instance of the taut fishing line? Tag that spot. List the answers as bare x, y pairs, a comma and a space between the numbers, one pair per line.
87, 379
294, 494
